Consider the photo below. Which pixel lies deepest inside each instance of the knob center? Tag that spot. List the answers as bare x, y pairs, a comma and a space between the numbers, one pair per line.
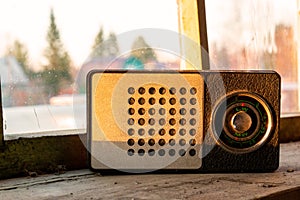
241, 122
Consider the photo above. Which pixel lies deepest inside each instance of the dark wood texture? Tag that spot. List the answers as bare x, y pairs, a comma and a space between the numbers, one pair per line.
203, 34
289, 128
40, 155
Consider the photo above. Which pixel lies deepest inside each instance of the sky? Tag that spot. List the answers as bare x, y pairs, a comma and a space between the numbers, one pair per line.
80, 20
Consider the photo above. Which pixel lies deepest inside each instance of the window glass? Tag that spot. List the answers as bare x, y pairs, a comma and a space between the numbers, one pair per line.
47, 49
45, 44
256, 34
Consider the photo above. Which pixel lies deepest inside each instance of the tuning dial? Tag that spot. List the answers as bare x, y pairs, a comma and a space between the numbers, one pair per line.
246, 122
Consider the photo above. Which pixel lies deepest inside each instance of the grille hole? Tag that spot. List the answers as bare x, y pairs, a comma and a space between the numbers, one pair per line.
141, 101
161, 152
141, 152
182, 101
151, 121
151, 152
162, 121
172, 152
172, 121
172, 101
141, 111
193, 111
193, 101
141, 132
161, 142
130, 131
151, 111
162, 101
171, 142
131, 101
192, 152
142, 90
192, 122
141, 142
182, 132
152, 90
162, 111
130, 121
151, 101
192, 132
172, 111
182, 91
151, 142
162, 90
182, 152
130, 152
182, 121
131, 111
172, 132
182, 111
193, 91
130, 142
131, 90
162, 132
182, 142
172, 90
192, 142
151, 131
141, 121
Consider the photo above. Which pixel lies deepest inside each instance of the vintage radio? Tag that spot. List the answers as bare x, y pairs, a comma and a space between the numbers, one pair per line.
204, 121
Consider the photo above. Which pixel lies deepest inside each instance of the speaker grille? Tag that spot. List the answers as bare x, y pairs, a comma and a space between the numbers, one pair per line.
159, 117
146, 120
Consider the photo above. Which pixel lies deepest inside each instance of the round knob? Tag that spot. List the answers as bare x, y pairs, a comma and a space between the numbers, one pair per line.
240, 122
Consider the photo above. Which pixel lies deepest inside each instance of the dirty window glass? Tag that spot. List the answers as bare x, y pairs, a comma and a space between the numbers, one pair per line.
45, 44
257, 34
46, 50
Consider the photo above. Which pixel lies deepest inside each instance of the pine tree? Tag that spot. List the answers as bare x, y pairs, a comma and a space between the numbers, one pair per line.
97, 48
112, 47
20, 52
141, 50
57, 72
105, 48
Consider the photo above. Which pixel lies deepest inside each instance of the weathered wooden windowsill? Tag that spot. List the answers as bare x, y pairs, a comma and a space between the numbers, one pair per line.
84, 184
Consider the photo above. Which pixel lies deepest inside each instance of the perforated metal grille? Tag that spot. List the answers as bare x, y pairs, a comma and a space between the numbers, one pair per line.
147, 120
162, 121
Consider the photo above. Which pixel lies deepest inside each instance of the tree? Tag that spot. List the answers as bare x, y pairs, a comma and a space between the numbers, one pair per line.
112, 47
20, 52
97, 48
105, 48
141, 50
57, 71
141, 54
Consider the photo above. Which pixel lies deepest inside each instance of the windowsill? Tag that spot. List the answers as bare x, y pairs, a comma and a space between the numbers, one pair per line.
290, 115
14, 136
284, 183
44, 118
